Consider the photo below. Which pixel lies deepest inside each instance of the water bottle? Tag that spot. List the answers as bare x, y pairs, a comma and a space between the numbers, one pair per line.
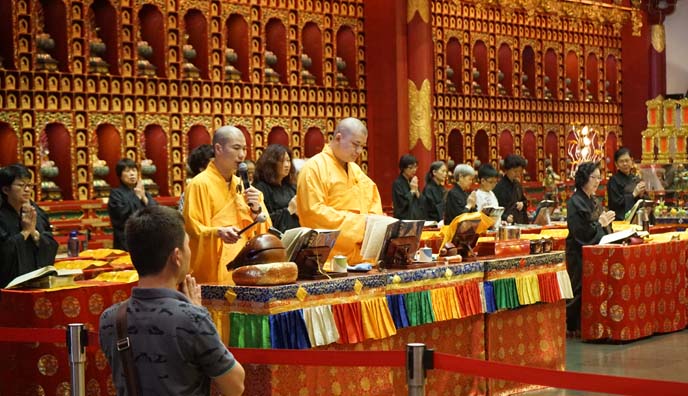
73, 244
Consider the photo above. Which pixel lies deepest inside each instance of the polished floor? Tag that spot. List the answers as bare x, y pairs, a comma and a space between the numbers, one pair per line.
662, 357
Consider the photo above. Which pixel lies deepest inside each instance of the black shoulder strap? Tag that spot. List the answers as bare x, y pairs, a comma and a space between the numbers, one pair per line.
124, 348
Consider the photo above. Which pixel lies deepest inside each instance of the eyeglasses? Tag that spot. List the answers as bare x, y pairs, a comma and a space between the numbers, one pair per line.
23, 186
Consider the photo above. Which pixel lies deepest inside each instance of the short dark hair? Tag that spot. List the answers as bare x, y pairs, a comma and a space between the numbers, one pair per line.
152, 235
514, 161
199, 158
407, 160
266, 167
621, 152
583, 173
487, 171
123, 164
433, 167
10, 173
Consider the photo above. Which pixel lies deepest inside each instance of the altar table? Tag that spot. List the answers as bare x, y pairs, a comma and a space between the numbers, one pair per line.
508, 310
43, 369
631, 292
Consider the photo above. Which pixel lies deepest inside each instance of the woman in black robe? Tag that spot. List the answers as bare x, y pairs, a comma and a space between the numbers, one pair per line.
587, 223
26, 240
126, 199
275, 178
433, 193
405, 194
457, 201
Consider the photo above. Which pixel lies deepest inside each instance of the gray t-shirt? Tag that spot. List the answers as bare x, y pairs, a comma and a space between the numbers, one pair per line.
175, 345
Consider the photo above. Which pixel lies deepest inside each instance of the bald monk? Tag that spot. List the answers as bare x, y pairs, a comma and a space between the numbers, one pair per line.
334, 193
217, 206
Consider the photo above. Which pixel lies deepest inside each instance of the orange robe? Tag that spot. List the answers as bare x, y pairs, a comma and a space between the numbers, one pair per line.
331, 197
210, 203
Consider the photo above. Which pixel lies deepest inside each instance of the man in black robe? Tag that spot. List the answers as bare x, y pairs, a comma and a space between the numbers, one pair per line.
623, 188
26, 240
405, 192
126, 199
509, 192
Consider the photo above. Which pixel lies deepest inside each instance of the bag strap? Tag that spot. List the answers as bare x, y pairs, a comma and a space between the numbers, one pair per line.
125, 353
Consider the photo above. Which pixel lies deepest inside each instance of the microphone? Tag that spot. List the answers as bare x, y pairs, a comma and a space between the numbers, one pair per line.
259, 219
243, 174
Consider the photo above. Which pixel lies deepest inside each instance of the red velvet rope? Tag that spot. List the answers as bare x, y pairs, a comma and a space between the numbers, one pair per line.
442, 361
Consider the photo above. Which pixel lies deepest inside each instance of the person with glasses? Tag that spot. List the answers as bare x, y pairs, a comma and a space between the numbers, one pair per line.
217, 206
624, 188
405, 193
483, 196
26, 240
587, 223
333, 192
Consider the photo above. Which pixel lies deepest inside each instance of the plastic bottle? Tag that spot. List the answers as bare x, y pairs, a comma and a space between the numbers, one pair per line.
73, 244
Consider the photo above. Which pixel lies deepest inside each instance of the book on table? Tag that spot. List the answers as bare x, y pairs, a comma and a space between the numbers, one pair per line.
391, 240
45, 278
622, 236
300, 238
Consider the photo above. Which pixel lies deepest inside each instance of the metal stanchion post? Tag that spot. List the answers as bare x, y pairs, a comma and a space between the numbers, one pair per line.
77, 339
418, 360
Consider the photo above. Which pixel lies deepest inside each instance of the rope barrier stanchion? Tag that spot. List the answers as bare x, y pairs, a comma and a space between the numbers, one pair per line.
77, 339
418, 360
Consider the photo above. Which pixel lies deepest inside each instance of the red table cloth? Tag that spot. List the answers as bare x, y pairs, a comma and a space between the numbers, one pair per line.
631, 292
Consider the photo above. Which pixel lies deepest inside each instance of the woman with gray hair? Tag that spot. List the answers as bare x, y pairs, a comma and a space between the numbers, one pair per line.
458, 201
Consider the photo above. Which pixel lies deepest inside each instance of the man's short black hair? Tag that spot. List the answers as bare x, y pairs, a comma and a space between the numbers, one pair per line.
407, 160
10, 173
123, 164
487, 171
583, 173
514, 161
620, 153
152, 235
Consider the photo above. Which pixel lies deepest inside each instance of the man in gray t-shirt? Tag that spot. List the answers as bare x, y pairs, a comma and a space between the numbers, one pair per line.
175, 346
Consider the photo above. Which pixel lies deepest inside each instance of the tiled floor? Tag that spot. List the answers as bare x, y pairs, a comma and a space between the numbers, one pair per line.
662, 357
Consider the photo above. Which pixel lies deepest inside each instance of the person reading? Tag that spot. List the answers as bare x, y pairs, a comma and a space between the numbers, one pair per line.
434, 192
175, 347
457, 201
217, 206
624, 188
26, 241
126, 199
509, 191
333, 192
274, 177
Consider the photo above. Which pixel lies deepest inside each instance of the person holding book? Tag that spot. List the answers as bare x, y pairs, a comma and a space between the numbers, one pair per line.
175, 347
487, 179
624, 188
458, 201
126, 199
217, 205
405, 193
26, 240
275, 179
434, 192
587, 224
509, 191
334, 193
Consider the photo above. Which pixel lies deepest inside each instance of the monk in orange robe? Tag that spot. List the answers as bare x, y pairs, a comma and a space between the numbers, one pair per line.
334, 193
216, 206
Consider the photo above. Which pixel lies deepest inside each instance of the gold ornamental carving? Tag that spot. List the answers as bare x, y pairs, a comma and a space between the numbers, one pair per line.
420, 114
420, 6
658, 37
189, 121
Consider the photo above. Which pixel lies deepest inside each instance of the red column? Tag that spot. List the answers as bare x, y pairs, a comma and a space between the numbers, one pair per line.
657, 82
420, 83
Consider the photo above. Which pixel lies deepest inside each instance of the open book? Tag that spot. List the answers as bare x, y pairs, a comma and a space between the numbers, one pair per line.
299, 238
621, 236
381, 229
45, 277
